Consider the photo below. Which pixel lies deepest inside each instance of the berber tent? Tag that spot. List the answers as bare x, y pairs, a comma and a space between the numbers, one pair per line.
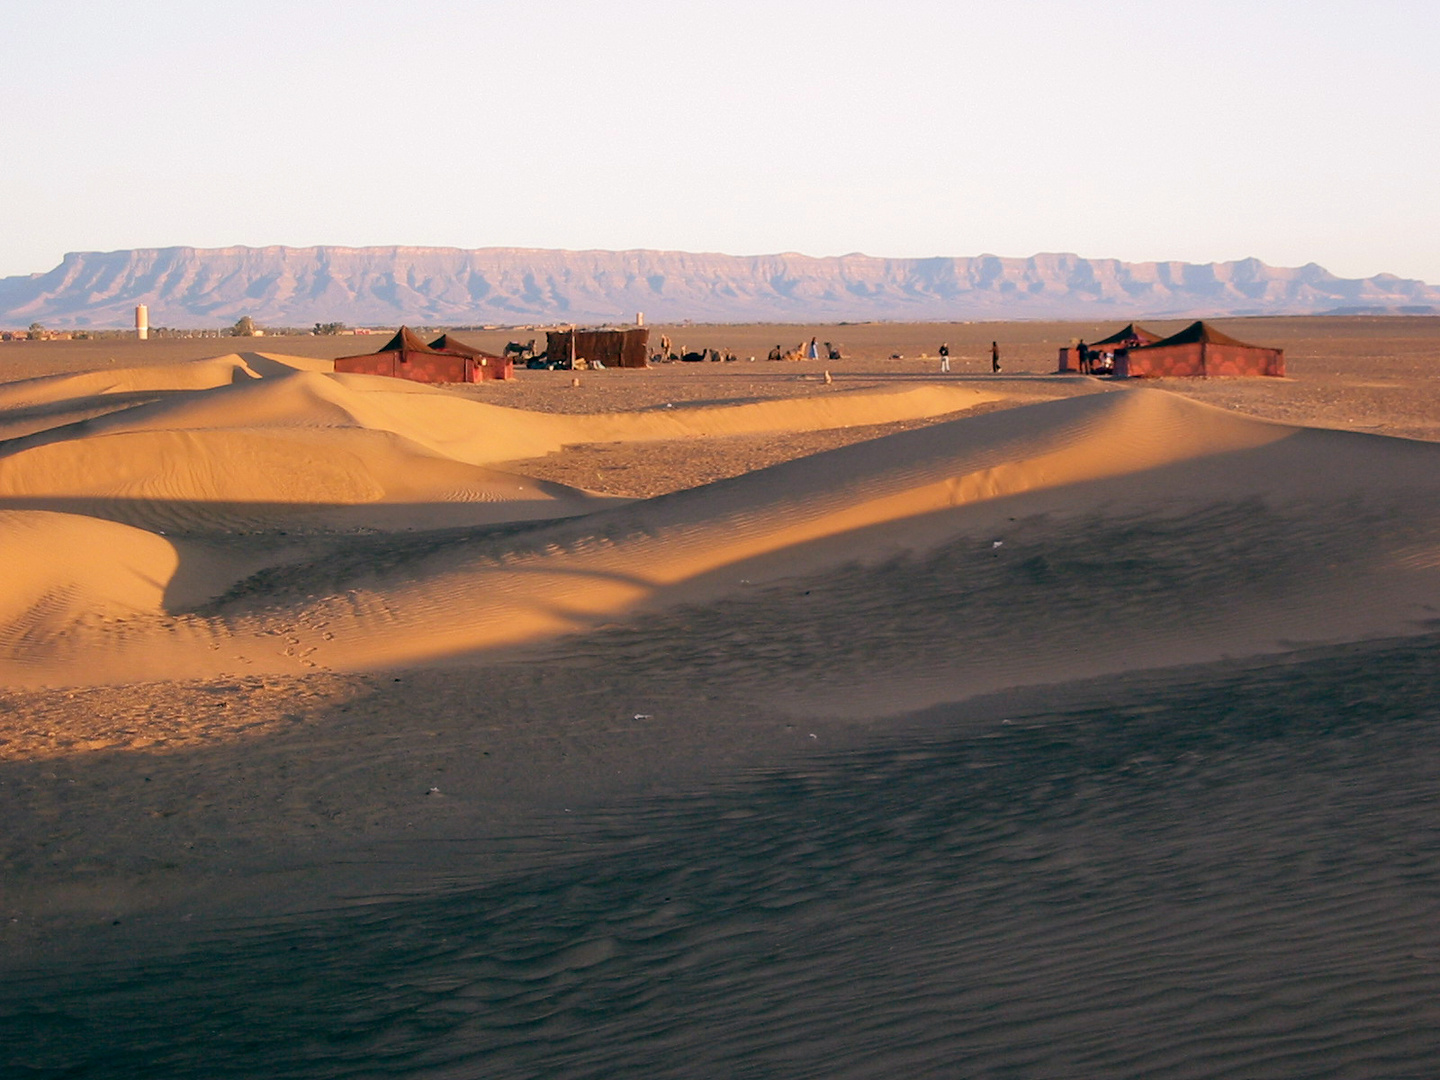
1199, 350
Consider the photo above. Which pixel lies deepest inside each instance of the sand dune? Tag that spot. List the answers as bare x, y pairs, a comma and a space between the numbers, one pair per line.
1141, 452
167, 378
62, 570
246, 441
257, 444
1141, 456
293, 392
559, 579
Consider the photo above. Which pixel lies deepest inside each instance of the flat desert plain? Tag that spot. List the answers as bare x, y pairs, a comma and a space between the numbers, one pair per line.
816, 719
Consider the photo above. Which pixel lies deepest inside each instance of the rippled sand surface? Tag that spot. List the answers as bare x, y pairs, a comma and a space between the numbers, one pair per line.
1228, 870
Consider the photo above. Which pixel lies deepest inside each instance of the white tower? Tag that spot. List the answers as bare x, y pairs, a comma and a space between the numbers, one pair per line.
142, 321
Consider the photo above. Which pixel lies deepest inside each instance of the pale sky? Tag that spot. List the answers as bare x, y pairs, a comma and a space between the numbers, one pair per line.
1209, 130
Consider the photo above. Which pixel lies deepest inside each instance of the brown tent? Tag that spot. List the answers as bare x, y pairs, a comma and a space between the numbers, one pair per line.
1128, 338
405, 356
613, 348
489, 365
1199, 350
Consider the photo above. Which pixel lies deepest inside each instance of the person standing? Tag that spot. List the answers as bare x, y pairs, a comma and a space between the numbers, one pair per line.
812, 351
995, 357
945, 357
1082, 357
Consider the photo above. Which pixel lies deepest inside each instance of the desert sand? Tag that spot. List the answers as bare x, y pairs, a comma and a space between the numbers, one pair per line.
722, 719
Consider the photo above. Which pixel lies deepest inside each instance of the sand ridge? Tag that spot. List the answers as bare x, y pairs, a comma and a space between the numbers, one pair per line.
463, 596
148, 458
954, 483
281, 435
63, 568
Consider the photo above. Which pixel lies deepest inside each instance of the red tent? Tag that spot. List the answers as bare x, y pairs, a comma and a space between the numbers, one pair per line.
1128, 338
405, 356
489, 366
1199, 350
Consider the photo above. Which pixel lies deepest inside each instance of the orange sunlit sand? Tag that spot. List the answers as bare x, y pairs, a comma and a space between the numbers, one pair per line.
128, 472
127, 494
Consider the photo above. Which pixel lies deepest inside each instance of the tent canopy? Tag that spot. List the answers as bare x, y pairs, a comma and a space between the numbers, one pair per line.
1130, 333
446, 343
1200, 333
405, 340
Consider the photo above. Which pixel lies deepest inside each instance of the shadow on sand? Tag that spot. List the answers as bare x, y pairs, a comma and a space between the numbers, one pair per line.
1216, 871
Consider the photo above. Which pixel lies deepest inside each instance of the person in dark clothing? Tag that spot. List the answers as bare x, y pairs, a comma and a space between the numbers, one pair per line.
995, 357
945, 357
1082, 356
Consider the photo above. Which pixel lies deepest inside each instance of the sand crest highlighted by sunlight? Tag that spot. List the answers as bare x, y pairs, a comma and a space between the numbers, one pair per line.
306, 439
265, 445
156, 446
163, 378
562, 579
64, 569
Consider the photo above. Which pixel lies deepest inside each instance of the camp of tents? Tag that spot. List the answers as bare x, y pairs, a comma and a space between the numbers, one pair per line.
449, 360
1199, 350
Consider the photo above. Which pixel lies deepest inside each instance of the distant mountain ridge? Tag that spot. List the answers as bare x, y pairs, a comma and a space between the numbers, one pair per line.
285, 286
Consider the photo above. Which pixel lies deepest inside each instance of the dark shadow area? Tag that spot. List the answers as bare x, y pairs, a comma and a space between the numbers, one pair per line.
96, 405
1222, 871
99, 406
264, 367
326, 539
348, 563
